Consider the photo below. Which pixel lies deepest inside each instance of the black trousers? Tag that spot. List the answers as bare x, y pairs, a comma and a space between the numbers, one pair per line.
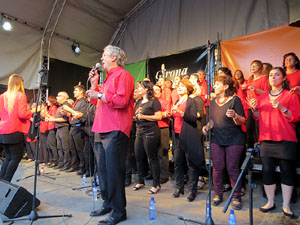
77, 147
52, 146
252, 127
30, 149
63, 146
146, 145
13, 156
43, 153
130, 156
89, 155
111, 155
163, 152
181, 159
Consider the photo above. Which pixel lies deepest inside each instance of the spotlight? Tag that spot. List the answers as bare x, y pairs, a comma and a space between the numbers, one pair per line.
76, 47
6, 24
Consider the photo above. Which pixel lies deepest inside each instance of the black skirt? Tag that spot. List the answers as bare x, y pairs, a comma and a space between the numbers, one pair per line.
12, 138
279, 149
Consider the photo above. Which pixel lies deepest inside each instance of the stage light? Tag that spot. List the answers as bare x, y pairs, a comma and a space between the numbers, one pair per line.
76, 47
6, 24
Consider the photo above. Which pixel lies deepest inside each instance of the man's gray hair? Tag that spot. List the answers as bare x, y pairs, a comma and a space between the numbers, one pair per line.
65, 94
117, 52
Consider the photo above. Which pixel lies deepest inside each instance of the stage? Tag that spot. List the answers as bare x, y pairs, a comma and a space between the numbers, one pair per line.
57, 197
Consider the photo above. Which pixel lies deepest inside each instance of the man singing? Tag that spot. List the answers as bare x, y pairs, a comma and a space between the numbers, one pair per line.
112, 124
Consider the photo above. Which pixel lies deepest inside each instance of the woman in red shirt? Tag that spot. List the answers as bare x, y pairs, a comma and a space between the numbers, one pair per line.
276, 111
257, 84
51, 138
291, 66
187, 141
13, 125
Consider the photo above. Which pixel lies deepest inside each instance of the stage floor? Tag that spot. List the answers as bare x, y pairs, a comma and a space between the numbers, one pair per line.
57, 197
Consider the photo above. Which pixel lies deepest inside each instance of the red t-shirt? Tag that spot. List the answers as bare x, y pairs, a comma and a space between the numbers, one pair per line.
43, 126
174, 96
273, 125
52, 112
261, 83
294, 78
165, 107
116, 113
178, 120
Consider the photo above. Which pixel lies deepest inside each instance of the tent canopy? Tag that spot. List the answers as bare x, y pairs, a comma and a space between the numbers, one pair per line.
150, 28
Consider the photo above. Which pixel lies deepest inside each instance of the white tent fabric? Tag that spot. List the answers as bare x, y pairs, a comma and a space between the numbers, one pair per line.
90, 22
165, 27
170, 26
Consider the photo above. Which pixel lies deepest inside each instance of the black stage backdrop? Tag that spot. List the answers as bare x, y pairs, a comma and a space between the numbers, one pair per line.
64, 76
180, 64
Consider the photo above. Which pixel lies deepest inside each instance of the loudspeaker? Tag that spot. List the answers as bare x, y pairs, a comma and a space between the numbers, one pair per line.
15, 201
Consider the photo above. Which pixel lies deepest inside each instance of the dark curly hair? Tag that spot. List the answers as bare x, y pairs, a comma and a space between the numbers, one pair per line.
286, 82
149, 86
295, 57
226, 71
226, 80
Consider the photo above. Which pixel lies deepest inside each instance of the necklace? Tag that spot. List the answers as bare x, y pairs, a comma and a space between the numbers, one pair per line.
274, 95
221, 102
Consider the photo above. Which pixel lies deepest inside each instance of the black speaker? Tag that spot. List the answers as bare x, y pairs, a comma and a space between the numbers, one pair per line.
15, 201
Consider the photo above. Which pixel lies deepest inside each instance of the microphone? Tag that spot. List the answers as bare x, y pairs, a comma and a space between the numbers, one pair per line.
96, 67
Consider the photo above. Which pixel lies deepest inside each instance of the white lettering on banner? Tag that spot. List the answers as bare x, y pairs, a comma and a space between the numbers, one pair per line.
172, 73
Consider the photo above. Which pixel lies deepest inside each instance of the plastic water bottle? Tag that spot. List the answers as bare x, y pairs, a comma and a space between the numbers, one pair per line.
95, 192
232, 218
84, 181
207, 210
152, 209
42, 170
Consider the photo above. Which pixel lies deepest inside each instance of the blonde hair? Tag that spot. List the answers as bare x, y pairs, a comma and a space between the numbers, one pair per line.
15, 85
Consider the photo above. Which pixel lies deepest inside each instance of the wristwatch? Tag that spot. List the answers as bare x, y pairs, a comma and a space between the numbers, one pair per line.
99, 95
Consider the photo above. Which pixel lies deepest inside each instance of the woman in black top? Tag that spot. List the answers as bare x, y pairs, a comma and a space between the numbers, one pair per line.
227, 144
147, 112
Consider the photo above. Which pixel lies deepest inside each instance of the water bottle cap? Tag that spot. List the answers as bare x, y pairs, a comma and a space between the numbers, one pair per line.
231, 211
152, 198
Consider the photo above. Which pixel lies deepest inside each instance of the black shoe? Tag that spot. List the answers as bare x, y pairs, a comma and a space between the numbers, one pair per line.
52, 165
237, 203
58, 167
164, 180
80, 172
70, 170
128, 181
217, 200
264, 210
87, 174
177, 193
65, 169
112, 220
289, 215
100, 212
149, 177
191, 197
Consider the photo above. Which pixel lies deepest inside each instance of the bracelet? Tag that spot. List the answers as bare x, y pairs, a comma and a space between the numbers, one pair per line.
285, 110
99, 95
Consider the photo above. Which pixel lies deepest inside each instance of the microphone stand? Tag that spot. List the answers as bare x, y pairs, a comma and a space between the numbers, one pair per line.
209, 220
251, 152
33, 216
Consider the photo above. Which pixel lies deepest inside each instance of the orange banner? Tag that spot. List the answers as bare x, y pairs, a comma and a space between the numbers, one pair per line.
268, 46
